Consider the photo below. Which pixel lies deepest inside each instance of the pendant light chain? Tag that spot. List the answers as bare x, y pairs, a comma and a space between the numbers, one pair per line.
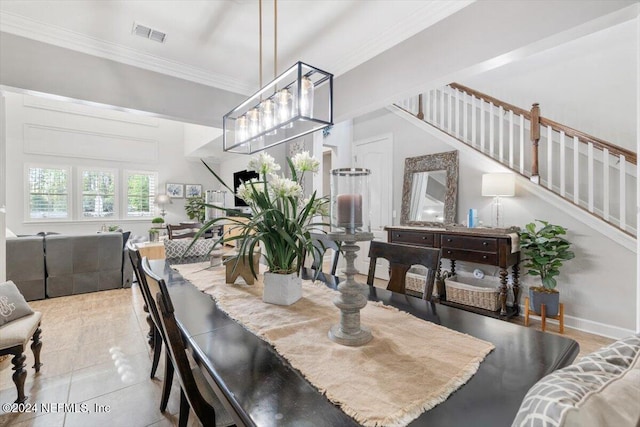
260, 29
275, 39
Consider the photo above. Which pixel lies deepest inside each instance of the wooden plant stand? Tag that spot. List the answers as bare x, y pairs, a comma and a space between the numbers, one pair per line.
543, 315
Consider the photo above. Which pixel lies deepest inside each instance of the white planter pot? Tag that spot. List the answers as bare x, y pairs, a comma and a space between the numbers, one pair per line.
282, 289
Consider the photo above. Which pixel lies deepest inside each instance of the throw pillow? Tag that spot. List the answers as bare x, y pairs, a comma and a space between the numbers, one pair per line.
600, 389
12, 304
177, 248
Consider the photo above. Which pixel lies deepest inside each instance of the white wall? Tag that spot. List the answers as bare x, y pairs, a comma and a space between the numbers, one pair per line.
3, 188
596, 287
98, 138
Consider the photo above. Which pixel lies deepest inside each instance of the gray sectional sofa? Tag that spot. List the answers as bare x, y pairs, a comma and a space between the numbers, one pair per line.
58, 265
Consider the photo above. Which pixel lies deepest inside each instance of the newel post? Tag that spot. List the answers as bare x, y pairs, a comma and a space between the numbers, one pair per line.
535, 138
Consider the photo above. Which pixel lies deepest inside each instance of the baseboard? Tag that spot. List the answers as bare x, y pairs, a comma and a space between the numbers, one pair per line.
590, 326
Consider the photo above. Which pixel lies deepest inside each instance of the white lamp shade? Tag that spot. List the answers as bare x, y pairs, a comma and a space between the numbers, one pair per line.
162, 199
498, 184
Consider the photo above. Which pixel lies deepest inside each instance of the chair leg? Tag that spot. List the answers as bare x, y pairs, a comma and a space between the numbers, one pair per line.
36, 346
184, 410
151, 338
157, 349
20, 375
168, 381
526, 311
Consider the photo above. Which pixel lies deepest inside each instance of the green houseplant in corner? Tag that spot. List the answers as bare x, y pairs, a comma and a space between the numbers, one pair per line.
195, 208
545, 252
280, 223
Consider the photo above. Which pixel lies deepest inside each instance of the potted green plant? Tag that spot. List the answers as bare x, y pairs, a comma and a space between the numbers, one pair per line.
195, 208
281, 221
545, 252
157, 222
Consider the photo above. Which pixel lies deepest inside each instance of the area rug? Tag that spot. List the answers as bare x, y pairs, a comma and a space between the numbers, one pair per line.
409, 367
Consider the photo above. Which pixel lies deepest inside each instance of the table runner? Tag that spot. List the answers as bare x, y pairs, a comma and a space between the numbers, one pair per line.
410, 366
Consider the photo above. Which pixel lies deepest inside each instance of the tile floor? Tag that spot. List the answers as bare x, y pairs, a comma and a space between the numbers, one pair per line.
95, 353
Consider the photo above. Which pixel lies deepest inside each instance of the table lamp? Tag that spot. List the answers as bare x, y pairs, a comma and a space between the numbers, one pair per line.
161, 201
498, 185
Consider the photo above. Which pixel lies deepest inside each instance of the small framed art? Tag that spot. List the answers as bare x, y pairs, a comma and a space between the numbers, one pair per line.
175, 191
193, 190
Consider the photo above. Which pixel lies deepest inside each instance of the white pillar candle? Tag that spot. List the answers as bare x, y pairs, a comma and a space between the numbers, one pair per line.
349, 208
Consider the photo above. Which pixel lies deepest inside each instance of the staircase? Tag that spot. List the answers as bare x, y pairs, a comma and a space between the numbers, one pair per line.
592, 174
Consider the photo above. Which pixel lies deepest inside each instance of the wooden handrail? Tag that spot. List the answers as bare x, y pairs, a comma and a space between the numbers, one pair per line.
494, 101
630, 156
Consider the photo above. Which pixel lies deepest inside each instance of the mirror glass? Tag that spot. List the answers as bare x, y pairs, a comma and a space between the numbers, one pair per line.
428, 196
430, 189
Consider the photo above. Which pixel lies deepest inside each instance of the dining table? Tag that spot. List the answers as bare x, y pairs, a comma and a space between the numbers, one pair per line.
258, 387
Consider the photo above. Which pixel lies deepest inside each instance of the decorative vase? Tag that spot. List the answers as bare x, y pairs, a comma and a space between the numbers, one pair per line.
550, 300
281, 289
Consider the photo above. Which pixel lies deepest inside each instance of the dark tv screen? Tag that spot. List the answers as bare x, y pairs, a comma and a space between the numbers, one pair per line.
239, 178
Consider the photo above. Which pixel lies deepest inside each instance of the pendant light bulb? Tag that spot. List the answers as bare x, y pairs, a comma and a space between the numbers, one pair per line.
242, 129
268, 113
284, 106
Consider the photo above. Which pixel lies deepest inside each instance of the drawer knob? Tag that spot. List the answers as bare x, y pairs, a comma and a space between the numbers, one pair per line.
485, 244
397, 235
449, 252
449, 240
484, 257
424, 237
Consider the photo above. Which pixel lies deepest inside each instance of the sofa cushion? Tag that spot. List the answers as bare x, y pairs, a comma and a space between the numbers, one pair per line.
12, 304
178, 248
600, 389
25, 265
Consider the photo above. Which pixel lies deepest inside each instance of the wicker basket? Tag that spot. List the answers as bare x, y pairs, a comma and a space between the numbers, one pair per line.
476, 296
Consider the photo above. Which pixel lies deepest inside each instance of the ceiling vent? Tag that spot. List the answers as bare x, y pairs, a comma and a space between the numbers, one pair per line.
148, 33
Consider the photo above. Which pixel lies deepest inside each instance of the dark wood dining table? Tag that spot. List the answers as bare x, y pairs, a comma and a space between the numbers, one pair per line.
260, 388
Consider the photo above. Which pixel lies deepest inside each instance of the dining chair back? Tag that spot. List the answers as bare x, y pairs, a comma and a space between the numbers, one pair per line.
182, 231
195, 393
322, 242
401, 258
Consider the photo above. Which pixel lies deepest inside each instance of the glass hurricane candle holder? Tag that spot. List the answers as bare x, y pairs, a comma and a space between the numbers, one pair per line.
350, 201
215, 198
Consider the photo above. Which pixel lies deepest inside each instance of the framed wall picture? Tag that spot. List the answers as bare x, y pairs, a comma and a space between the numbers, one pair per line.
175, 191
193, 190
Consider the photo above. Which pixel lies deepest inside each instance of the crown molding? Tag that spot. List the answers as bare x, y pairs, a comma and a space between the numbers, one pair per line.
57, 36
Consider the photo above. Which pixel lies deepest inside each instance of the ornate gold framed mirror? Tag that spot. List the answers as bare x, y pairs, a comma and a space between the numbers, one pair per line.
430, 190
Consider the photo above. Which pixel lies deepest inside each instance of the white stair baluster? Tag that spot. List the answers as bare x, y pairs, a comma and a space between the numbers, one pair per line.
482, 125
590, 175
457, 112
563, 158
427, 116
501, 134
623, 192
465, 118
473, 121
576, 170
442, 109
491, 130
511, 139
605, 184
522, 144
451, 112
550, 157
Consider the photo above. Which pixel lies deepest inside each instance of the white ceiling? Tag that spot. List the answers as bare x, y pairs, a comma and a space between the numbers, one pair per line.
217, 42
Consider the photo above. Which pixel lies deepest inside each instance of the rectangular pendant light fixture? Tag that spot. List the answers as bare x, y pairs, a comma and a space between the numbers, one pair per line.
296, 103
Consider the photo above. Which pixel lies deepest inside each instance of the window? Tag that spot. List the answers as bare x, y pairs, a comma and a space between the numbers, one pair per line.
49, 189
98, 198
140, 193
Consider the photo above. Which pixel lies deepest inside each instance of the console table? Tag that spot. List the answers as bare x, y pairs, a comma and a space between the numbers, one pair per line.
487, 246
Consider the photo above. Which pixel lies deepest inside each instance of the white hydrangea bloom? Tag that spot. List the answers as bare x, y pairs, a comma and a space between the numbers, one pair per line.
245, 191
284, 187
320, 206
263, 164
303, 162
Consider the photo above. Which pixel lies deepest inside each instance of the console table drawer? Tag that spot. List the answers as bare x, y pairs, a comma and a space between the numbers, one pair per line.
412, 237
471, 243
490, 258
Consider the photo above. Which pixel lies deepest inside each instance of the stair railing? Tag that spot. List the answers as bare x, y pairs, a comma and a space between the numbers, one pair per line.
594, 174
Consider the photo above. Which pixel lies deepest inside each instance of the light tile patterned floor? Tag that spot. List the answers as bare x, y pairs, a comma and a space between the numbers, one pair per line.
95, 352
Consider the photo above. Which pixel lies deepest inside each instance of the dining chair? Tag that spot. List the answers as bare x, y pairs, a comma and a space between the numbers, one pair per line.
401, 258
322, 242
136, 258
18, 324
195, 392
182, 231
153, 319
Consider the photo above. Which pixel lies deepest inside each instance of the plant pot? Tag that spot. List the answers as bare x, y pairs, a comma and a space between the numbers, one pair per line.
282, 289
551, 300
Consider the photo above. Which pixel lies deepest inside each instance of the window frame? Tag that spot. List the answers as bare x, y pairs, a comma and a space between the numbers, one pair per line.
124, 213
79, 214
27, 192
